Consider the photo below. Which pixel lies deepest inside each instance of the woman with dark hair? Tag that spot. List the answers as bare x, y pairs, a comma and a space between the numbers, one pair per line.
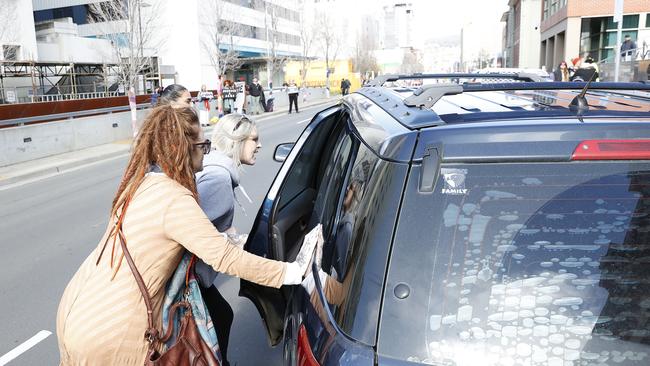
102, 318
175, 95
561, 73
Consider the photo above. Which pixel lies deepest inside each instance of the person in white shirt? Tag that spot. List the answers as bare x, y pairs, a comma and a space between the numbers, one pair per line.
292, 91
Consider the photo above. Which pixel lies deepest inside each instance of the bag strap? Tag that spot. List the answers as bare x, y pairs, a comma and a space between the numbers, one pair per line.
151, 334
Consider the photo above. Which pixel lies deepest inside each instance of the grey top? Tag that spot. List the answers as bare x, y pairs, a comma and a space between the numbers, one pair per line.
215, 185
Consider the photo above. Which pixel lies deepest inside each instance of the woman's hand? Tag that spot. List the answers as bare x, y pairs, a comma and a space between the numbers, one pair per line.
297, 269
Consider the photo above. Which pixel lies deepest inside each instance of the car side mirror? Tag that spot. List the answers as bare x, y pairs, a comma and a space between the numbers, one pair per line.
282, 151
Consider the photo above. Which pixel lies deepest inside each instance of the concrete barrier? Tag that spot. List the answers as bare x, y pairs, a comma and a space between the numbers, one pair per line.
24, 143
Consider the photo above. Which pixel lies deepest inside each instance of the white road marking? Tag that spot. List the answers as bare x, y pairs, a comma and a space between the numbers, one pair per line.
24, 347
304, 120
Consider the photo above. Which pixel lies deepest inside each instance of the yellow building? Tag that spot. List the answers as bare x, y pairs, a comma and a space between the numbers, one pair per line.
316, 74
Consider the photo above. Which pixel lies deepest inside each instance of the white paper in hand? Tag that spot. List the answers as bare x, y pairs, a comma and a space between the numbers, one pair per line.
308, 246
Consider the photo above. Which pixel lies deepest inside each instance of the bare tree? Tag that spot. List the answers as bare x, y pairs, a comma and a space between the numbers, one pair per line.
218, 38
330, 40
307, 40
130, 27
274, 60
8, 34
366, 43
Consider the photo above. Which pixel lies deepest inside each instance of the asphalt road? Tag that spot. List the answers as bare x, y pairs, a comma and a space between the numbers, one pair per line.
48, 227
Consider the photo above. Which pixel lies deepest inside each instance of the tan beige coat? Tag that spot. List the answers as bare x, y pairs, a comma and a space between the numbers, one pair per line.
102, 321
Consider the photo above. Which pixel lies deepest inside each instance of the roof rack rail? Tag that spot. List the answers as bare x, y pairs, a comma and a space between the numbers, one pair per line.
522, 76
427, 95
558, 85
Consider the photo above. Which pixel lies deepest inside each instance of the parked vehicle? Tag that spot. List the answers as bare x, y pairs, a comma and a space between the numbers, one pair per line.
466, 224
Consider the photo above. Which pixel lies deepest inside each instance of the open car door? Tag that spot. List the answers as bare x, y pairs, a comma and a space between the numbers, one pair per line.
286, 213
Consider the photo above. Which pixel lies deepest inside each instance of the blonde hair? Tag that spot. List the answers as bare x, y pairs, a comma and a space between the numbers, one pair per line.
230, 133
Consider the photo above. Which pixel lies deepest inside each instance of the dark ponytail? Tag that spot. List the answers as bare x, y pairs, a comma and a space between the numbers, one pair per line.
171, 93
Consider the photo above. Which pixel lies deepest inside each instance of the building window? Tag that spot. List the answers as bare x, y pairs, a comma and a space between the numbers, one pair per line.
598, 35
550, 7
631, 21
647, 20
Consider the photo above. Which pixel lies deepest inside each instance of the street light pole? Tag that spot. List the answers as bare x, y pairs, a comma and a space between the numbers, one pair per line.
618, 18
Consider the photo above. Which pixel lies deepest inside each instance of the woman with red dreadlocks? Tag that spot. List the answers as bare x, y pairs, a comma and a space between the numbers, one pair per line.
102, 316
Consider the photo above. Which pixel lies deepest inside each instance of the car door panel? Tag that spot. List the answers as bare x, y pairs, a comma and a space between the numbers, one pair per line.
291, 222
277, 228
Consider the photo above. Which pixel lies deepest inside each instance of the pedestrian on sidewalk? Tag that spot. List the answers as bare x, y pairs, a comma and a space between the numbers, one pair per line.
292, 91
229, 96
235, 143
588, 71
561, 73
255, 90
102, 319
343, 87
205, 97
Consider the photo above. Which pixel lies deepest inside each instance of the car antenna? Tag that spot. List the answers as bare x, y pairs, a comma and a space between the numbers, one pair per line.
579, 104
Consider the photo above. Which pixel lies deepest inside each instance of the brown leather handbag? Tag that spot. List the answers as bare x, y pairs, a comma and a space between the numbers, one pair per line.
189, 348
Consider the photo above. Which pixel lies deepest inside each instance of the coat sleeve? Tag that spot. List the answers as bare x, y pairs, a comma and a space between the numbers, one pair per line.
185, 223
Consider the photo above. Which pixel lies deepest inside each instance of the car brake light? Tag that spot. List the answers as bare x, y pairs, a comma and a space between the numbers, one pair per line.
612, 150
305, 355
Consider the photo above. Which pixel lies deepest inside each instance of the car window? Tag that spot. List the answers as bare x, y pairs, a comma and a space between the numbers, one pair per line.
353, 256
305, 169
533, 264
331, 183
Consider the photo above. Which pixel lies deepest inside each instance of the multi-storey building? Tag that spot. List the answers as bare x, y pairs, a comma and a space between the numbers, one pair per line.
522, 34
398, 22
17, 35
180, 27
571, 28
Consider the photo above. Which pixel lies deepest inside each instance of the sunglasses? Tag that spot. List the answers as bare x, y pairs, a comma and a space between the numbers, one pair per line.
205, 146
241, 121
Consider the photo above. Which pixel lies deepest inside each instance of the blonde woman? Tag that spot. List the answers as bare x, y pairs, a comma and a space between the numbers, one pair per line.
235, 142
102, 318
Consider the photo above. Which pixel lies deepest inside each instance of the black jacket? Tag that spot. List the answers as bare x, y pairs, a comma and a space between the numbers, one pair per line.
255, 90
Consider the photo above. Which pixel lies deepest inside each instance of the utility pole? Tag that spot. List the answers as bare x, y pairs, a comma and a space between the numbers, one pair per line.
462, 68
268, 46
618, 18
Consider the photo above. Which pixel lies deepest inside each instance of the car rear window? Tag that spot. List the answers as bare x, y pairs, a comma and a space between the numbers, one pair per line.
539, 264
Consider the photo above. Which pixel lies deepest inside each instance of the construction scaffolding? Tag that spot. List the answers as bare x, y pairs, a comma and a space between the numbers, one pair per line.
25, 82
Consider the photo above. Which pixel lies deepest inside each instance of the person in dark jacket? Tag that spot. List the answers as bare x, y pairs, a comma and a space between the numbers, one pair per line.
235, 142
562, 72
255, 90
587, 71
628, 48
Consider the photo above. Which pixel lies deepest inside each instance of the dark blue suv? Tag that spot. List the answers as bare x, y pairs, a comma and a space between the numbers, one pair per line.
471, 222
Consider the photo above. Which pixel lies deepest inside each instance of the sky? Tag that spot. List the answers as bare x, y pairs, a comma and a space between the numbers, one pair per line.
445, 18
442, 18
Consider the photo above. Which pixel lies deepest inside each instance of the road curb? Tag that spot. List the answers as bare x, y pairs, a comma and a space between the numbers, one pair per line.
52, 169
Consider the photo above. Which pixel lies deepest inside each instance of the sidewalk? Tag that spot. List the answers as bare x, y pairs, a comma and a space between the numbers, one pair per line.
40, 168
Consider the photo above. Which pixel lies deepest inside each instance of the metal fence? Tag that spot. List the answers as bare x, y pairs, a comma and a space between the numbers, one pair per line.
29, 94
